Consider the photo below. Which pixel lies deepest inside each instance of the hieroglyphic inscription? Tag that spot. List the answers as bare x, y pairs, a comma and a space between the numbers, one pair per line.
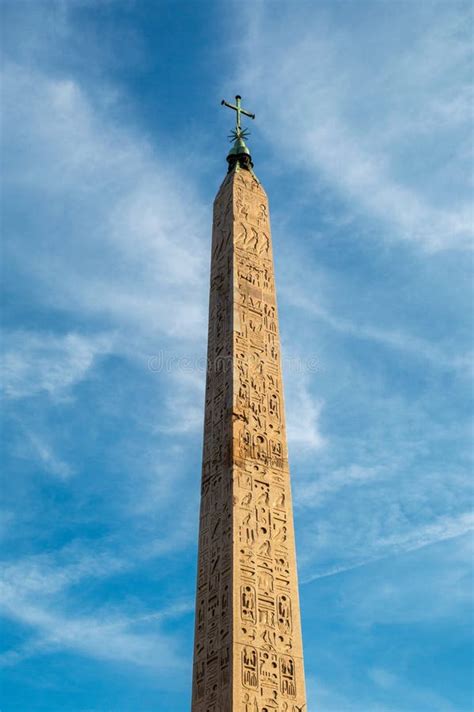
248, 649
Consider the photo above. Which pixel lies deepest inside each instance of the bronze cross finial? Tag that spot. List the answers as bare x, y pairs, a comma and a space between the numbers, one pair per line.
238, 109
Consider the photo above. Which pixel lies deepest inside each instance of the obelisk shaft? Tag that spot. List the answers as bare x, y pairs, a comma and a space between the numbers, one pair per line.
248, 649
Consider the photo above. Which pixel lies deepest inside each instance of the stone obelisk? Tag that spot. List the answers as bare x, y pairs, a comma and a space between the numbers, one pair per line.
248, 654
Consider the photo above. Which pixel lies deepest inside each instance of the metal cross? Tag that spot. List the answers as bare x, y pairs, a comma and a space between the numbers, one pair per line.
238, 109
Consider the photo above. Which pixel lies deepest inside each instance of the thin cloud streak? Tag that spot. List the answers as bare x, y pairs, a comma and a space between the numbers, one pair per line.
49, 459
95, 636
399, 545
46, 578
399, 340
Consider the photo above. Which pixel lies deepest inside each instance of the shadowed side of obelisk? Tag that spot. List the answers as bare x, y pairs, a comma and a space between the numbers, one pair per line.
212, 671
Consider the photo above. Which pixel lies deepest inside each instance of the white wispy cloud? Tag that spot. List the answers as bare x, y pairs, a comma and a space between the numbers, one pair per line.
127, 244
447, 527
378, 132
314, 492
401, 340
36, 362
304, 415
119, 246
36, 591
185, 402
100, 636
330, 697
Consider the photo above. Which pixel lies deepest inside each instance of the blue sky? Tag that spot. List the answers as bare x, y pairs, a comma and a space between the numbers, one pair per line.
114, 144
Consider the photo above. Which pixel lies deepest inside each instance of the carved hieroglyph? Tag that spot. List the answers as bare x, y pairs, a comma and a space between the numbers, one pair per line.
248, 653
